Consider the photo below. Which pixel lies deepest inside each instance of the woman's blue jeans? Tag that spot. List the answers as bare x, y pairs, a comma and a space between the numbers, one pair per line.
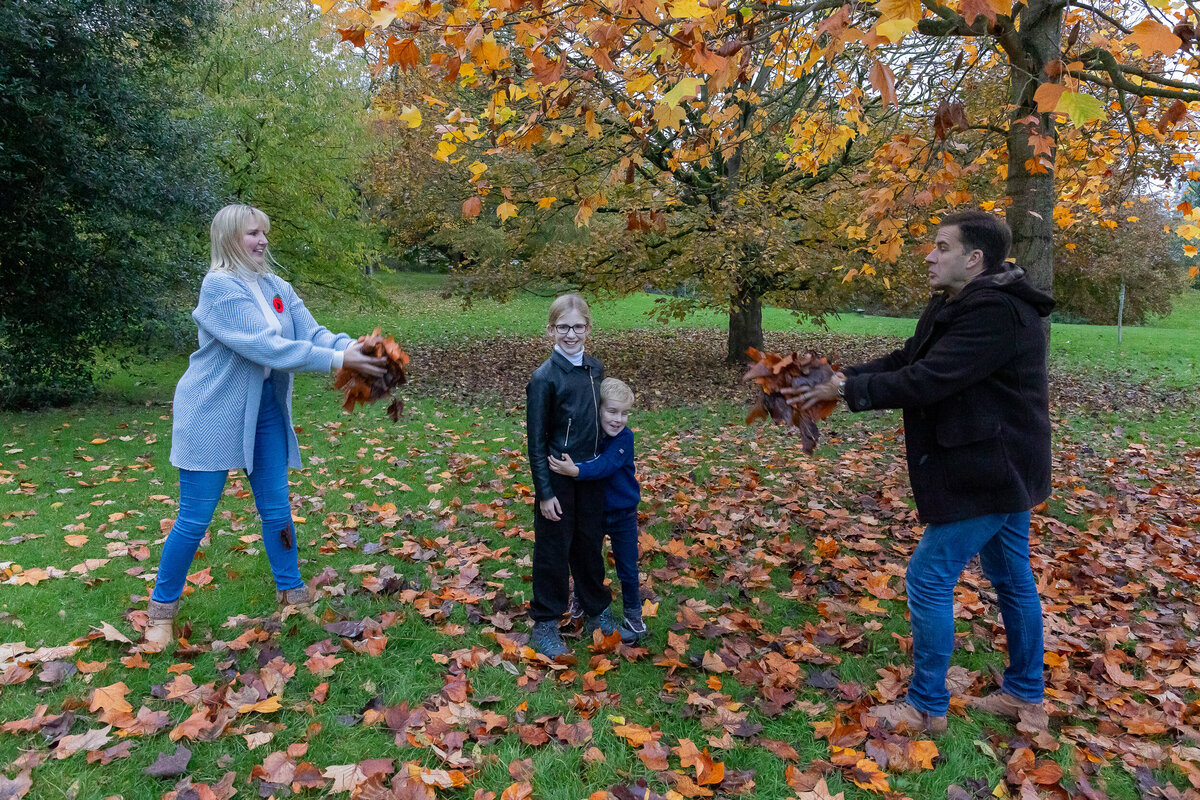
199, 493
1002, 542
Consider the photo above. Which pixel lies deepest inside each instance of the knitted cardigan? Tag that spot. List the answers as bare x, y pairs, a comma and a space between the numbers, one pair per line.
217, 399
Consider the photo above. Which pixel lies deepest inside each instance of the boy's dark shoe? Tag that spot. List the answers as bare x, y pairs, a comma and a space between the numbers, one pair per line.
574, 609
607, 625
634, 624
546, 639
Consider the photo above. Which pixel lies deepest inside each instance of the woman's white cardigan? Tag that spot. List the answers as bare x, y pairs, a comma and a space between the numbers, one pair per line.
216, 401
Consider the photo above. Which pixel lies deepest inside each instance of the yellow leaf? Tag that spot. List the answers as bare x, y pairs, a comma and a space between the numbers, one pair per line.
488, 54
1188, 231
99, 441
639, 84
412, 116
506, 210
546, 202
325, 5
477, 168
383, 17
686, 89
444, 150
271, 704
896, 29
689, 9
1188, 250
899, 9
1151, 36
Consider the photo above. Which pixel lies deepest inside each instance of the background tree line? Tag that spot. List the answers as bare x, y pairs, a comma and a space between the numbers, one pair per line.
123, 127
723, 178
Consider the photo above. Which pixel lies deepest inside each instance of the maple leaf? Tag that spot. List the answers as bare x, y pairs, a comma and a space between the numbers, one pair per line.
881, 77
1151, 36
110, 698
1081, 108
92, 740
773, 373
471, 207
170, 766
359, 387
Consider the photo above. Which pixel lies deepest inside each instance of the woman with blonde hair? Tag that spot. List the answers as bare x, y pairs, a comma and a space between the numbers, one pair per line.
233, 405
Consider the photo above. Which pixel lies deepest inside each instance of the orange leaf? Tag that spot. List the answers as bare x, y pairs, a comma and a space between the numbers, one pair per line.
881, 77
471, 207
110, 698
1150, 36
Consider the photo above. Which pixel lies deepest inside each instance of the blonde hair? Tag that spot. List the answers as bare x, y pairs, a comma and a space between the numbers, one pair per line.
616, 391
564, 304
225, 235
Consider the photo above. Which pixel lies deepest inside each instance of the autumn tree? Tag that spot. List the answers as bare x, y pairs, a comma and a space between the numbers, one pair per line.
677, 116
289, 115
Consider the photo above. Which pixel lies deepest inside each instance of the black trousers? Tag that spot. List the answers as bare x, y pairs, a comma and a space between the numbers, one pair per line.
571, 547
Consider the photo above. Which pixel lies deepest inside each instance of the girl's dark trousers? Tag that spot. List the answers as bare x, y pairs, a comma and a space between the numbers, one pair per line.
571, 547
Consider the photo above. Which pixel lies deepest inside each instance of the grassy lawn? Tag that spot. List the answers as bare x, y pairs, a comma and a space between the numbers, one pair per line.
774, 581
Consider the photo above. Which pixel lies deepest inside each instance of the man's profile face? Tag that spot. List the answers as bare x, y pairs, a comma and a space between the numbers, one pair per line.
951, 265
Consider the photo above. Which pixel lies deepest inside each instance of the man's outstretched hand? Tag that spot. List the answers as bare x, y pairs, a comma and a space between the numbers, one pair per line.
808, 396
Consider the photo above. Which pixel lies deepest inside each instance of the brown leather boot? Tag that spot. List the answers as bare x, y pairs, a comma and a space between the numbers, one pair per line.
1003, 704
300, 596
905, 718
160, 629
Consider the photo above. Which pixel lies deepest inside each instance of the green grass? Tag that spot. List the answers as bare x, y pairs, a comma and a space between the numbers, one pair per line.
733, 498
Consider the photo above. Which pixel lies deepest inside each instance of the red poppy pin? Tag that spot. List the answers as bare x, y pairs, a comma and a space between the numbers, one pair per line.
277, 303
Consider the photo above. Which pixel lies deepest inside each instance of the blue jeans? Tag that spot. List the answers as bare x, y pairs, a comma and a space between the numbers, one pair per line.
1002, 542
199, 493
621, 528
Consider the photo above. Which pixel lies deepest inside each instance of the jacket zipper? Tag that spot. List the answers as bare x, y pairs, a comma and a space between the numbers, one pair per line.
596, 411
567, 438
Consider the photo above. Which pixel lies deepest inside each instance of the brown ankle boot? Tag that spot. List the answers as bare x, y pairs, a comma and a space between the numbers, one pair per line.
160, 629
300, 596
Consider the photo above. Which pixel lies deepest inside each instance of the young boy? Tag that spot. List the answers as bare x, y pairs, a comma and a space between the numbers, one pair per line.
621, 496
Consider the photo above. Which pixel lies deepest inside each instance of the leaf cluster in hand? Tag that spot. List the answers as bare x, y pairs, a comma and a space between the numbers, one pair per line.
774, 373
362, 388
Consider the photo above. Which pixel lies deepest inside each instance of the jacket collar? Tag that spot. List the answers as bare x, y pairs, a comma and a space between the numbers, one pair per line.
560, 361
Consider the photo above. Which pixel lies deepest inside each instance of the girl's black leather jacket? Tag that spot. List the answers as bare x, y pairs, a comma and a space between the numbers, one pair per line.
562, 415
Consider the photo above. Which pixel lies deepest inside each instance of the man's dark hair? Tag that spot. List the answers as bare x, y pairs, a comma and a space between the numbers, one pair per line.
979, 230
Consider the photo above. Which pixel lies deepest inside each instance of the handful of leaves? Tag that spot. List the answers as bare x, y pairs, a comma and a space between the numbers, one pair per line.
773, 373
360, 388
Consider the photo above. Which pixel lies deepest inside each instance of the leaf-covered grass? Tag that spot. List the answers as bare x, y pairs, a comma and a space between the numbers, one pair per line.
750, 549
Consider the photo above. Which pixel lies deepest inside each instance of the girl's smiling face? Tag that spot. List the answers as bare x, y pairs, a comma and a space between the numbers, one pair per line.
569, 332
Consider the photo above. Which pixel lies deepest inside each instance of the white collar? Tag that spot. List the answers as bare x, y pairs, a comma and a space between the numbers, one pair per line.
576, 359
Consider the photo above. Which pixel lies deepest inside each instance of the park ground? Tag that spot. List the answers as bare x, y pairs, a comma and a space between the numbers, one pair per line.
773, 587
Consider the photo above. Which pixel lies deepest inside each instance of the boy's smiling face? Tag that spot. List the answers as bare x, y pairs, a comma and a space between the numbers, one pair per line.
613, 416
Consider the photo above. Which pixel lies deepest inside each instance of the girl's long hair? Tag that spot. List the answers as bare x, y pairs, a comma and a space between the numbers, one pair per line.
225, 234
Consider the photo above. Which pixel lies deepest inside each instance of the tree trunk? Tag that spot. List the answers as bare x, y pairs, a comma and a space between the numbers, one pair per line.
1032, 191
745, 324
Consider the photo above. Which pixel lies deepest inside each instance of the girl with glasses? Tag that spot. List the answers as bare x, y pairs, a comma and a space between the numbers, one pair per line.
562, 416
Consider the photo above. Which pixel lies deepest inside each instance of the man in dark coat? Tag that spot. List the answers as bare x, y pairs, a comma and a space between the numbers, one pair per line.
972, 383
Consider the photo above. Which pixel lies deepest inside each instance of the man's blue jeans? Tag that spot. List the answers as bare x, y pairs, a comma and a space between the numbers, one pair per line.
199, 493
1002, 542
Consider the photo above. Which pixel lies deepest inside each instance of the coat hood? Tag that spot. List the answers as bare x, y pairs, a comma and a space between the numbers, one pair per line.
1014, 282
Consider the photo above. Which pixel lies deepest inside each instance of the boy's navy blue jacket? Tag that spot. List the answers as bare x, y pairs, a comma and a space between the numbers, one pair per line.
615, 462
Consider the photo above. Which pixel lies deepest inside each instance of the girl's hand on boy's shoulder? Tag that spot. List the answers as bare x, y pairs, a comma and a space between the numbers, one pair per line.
564, 465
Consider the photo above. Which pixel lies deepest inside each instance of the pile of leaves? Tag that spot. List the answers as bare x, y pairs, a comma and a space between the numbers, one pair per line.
774, 373
362, 388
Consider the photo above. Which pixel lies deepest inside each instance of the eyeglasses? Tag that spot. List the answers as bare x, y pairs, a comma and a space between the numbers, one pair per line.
578, 330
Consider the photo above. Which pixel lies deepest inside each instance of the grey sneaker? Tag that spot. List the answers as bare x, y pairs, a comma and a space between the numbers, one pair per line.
546, 639
634, 624
574, 609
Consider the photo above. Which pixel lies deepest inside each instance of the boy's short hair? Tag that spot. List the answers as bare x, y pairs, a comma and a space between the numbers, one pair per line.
616, 390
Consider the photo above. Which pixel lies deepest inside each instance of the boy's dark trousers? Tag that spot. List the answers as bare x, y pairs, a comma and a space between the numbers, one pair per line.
571, 547
621, 528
